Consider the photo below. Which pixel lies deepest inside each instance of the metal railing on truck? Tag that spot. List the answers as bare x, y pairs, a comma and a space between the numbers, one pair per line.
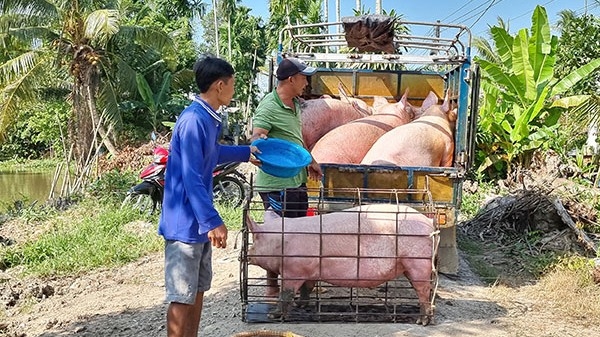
411, 42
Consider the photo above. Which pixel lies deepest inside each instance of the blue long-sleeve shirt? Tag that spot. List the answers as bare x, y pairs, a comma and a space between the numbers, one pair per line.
188, 213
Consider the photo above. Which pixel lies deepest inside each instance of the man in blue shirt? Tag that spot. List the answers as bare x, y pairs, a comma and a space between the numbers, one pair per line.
189, 222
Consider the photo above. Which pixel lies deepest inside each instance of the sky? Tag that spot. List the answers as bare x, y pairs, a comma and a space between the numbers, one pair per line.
475, 14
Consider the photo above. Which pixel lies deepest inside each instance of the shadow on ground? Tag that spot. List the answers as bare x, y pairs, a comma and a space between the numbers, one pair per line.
223, 311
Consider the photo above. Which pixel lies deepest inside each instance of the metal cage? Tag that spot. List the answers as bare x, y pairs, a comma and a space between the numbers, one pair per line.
392, 300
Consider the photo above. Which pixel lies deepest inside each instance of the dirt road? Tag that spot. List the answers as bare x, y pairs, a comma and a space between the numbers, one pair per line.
128, 302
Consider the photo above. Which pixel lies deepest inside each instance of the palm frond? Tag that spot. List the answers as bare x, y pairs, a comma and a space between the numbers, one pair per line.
108, 104
28, 7
15, 67
588, 111
33, 34
146, 37
126, 75
21, 88
486, 50
101, 25
184, 80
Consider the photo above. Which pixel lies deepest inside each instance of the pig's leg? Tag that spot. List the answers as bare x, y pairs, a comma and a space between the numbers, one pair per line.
418, 272
305, 291
272, 286
290, 284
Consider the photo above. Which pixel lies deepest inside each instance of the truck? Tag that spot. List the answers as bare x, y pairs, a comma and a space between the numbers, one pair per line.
377, 55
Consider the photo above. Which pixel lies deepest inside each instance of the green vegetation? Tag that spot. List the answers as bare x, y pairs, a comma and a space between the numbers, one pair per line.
93, 233
472, 202
519, 113
41, 165
90, 236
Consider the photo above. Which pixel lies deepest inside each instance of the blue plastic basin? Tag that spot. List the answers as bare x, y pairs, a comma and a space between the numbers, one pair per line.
281, 158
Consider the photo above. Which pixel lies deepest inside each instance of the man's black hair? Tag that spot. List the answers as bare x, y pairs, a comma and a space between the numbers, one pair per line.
209, 69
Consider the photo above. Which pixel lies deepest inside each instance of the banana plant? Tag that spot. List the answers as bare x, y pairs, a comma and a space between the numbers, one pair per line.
522, 98
155, 103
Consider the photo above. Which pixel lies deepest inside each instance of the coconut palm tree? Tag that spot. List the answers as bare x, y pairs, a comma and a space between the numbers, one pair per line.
76, 41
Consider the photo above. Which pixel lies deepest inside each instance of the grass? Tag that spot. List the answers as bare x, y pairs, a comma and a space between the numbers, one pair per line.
472, 202
474, 254
565, 291
40, 165
93, 234
85, 238
233, 216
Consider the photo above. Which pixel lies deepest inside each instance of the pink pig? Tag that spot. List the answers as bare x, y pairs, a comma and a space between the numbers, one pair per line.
321, 115
426, 141
364, 246
349, 143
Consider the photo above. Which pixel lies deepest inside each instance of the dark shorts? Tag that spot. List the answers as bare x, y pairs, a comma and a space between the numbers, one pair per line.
291, 202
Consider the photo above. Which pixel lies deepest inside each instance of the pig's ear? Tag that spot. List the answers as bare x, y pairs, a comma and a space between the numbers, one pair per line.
430, 100
446, 104
411, 110
408, 108
379, 101
404, 98
453, 115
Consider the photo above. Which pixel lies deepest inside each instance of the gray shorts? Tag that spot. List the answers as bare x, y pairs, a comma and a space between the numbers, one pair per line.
188, 270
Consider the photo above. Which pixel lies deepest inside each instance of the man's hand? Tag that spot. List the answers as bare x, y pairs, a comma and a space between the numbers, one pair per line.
259, 133
218, 236
253, 159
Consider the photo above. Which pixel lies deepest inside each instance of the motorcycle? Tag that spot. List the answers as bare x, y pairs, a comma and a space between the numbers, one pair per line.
228, 184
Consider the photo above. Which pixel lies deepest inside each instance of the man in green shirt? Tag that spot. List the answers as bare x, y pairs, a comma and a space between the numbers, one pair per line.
278, 116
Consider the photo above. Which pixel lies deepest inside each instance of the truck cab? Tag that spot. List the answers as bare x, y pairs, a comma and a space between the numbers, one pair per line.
375, 55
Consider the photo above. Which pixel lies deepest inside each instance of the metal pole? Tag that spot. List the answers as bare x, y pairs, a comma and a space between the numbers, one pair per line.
338, 15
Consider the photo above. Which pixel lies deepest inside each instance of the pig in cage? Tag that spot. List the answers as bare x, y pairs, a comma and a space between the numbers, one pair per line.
359, 256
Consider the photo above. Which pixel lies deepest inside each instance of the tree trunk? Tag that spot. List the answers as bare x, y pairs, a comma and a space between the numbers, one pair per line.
85, 124
229, 37
216, 28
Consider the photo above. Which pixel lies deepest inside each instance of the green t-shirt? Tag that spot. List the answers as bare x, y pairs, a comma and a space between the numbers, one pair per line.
283, 123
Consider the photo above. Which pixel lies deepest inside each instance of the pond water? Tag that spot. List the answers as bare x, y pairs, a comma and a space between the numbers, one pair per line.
28, 186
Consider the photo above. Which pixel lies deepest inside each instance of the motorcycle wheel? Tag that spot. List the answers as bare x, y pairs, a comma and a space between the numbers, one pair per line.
229, 191
141, 202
